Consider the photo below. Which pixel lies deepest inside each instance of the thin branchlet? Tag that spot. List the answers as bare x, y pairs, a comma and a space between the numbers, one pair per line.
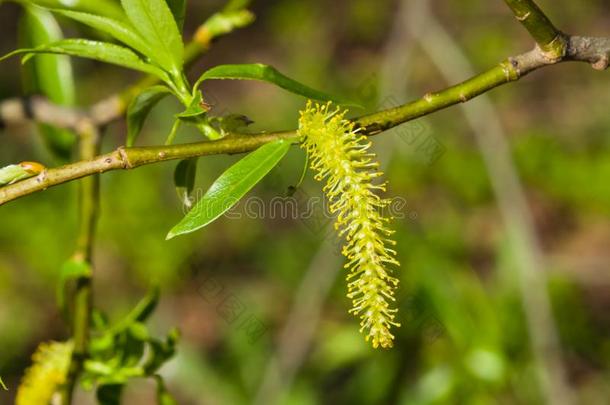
340, 156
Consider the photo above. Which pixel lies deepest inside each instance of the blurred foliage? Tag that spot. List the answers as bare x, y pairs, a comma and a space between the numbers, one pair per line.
463, 337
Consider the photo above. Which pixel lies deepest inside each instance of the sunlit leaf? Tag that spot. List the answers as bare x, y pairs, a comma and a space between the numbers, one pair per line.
102, 51
140, 107
107, 8
231, 186
119, 30
154, 20
269, 74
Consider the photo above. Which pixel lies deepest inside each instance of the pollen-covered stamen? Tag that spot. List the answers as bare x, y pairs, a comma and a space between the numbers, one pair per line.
46, 375
339, 155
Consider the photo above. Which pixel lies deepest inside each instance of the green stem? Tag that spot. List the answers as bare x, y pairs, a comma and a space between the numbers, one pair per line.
510, 70
549, 38
82, 300
172, 135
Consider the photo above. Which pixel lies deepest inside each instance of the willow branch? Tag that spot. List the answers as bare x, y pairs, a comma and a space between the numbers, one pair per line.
551, 40
595, 51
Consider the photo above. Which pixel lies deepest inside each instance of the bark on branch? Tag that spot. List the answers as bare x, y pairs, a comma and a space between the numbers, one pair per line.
591, 50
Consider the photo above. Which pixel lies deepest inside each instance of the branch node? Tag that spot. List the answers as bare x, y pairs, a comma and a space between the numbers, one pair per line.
42, 177
124, 158
556, 50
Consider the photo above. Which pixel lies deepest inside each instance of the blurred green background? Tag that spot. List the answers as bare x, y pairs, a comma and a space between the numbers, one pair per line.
464, 337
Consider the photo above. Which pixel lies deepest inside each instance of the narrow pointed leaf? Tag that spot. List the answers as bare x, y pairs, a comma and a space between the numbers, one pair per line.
140, 107
102, 51
231, 186
269, 74
121, 31
107, 8
155, 22
49, 75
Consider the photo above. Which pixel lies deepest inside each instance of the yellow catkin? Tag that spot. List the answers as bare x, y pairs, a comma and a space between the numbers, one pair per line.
340, 156
48, 372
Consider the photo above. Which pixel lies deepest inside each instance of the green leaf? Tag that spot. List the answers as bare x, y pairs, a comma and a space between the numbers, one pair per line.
70, 271
155, 21
122, 31
184, 180
269, 74
139, 331
102, 51
178, 8
53, 74
231, 186
140, 107
194, 110
107, 8
49, 75
13, 173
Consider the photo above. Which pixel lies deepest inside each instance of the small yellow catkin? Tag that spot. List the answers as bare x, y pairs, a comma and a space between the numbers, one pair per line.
48, 372
340, 156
